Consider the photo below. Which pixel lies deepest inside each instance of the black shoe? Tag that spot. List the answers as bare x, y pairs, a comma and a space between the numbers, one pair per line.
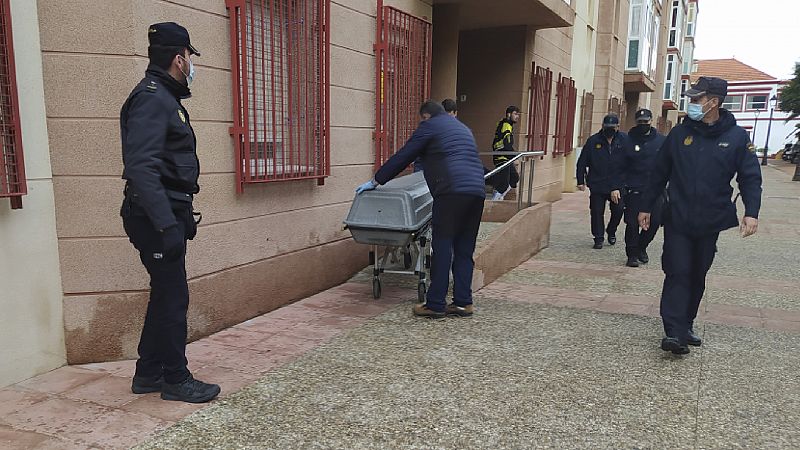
146, 385
643, 258
671, 344
190, 391
693, 339
598, 245
612, 239
632, 262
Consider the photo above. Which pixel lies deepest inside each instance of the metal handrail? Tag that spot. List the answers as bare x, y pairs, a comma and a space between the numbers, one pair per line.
517, 155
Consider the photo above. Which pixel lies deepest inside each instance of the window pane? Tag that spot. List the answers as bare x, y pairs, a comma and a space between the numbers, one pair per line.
636, 20
756, 102
733, 103
633, 54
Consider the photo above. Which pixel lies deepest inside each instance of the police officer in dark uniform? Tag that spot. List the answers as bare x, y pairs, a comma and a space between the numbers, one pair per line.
646, 141
699, 159
604, 156
161, 169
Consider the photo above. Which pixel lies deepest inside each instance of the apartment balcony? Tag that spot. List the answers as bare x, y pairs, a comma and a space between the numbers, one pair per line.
669, 105
476, 14
635, 81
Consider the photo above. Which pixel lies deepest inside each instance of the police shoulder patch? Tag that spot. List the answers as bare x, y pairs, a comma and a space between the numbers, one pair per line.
598, 146
751, 148
688, 140
182, 116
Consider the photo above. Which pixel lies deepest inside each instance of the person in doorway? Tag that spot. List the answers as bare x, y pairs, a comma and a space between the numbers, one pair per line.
450, 107
159, 153
454, 174
699, 159
507, 178
604, 158
646, 141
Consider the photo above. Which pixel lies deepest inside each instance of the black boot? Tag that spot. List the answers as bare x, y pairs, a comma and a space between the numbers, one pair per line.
632, 262
693, 339
643, 258
146, 385
612, 239
597, 245
190, 391
671, 344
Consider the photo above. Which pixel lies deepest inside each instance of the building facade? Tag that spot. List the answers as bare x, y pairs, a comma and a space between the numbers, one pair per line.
295, 103
752, 98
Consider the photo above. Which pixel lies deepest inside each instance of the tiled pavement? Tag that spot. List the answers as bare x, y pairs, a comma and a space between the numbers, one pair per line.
561, 354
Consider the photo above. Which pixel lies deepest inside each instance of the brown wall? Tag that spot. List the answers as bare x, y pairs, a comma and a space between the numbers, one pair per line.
88, 73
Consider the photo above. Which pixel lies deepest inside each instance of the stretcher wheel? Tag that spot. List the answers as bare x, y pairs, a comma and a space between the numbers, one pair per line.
376, 288
421, 291
407, 260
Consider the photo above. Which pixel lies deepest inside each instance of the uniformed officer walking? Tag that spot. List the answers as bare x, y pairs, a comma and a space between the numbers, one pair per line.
699, 159
646, 141
161, 169
604, 156
507, 178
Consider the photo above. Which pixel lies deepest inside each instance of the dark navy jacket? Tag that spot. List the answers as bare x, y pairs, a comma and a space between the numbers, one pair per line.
699, 161
606, 163
449, 154
641, 157
159, 148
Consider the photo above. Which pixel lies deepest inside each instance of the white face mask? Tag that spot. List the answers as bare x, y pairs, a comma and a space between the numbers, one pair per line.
190, 75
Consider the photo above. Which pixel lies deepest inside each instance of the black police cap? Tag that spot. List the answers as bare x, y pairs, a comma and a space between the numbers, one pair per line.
170, 34
708, 86
643, 115
610, 120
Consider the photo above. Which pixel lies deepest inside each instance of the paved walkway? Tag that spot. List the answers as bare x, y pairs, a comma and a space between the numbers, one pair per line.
563, 353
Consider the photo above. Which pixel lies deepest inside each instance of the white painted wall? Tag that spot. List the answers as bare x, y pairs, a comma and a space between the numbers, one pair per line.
31, 324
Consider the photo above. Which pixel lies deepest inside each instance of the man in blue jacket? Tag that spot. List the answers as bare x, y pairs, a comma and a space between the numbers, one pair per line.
646, 141
699, 159
604, 157
454, 174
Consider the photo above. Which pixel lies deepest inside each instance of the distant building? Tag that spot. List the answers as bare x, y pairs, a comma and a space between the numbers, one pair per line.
749, 94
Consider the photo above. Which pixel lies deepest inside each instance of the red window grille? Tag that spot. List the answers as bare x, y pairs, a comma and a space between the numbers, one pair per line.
541, 89
12, 164
566, 101
587, 111
281, 89
402, 77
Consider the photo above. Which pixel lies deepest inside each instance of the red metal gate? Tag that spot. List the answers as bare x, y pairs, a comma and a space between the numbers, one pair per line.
402, 77
12, 166
566, 100
541, 89
281, 89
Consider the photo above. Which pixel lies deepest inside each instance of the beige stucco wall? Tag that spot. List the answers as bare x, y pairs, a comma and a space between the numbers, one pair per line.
100, 64
612, 42
31, 327
584, 46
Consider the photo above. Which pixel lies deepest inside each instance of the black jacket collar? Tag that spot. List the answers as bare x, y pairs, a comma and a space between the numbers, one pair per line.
726, 122
175, 87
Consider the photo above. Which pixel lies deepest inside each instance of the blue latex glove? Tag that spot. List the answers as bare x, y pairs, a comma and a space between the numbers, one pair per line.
368, 186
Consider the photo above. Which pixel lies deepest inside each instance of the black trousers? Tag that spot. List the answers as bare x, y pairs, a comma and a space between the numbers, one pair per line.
637, 240
162, 347
597, 210
456, 219
686, 261
508, 177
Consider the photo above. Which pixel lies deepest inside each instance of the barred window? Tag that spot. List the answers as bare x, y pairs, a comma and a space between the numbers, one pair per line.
12, 166
280, 66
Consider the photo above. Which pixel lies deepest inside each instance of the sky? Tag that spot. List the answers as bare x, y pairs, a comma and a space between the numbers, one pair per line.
761, 33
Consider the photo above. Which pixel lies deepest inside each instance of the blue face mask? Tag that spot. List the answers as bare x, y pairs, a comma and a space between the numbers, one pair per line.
695, 111
190, 75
